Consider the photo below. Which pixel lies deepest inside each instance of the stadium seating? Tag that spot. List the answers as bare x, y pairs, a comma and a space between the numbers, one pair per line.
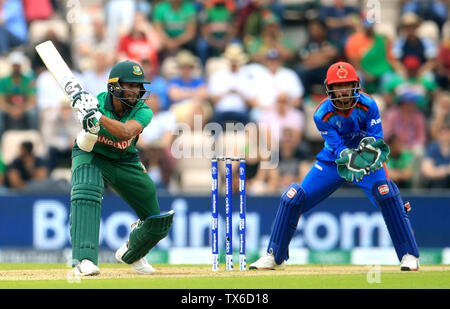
11, 140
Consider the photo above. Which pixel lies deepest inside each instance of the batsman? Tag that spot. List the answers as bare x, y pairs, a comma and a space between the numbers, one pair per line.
116, 117
355, 152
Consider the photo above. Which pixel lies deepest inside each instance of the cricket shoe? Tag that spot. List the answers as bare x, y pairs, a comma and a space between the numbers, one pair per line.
86, 268
409, 263
141, 266
266, 262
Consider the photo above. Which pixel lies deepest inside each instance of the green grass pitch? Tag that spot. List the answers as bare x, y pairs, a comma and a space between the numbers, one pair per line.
117, 276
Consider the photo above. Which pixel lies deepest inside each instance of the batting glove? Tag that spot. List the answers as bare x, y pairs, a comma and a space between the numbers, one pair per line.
84, 100
90, 120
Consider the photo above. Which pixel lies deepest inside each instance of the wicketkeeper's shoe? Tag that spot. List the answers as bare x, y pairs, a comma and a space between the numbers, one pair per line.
86, 268
409, 263
266, 262
141, 266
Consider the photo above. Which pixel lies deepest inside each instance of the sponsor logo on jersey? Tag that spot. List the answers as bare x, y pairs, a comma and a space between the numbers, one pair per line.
384, 189
123, 145
291, 193
375, 121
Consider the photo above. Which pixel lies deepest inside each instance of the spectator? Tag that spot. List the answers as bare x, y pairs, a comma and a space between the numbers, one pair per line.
119, 17
217, 29
423, 86
60, 129
187, 93
340, 19
274, 121
89, 41
265, 182
271, 37
371, 54
442, 72
156, 141
2, 171
400, 164
13, 28
407, 123
436, 163
158, 86
250, 12
441, 110
27, 167
316, 55
176, 23
63, 48
162, 126
269, 81
37, 10
294, 156
410, 44
229, 89
435, 10
142, 42
18, 97
94, 81
48, 96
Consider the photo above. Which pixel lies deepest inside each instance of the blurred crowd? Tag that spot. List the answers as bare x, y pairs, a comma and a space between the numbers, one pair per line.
226, 61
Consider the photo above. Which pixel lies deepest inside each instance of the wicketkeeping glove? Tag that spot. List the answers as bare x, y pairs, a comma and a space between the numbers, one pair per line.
352, 166
374, 151
84, 100
90, 120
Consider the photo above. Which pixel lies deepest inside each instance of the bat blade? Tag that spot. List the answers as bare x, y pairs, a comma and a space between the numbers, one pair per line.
58, 68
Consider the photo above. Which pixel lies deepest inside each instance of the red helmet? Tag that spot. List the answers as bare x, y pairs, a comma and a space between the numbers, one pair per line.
342, 72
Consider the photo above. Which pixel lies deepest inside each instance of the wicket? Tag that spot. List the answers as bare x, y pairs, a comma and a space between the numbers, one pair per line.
228, 213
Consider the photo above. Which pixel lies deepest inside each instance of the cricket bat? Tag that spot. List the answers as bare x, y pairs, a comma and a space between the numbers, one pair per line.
68, 82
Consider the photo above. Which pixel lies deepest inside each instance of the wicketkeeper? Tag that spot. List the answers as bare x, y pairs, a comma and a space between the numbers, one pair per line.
354, 151
116, 117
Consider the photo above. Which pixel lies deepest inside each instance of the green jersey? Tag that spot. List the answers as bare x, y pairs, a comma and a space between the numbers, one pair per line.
173, 21
113, 147
10, 90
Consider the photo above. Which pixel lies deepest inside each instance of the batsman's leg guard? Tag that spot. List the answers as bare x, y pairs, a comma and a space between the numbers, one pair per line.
285, 223
85, 202
387, 196
146, 235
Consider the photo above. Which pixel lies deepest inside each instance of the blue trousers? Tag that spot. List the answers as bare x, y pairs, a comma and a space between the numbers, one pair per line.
323, 179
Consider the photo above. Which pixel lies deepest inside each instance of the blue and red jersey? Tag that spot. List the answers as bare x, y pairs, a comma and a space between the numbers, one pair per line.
346, 131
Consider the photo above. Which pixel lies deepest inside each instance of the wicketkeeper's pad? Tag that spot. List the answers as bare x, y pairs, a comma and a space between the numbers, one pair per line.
286, 221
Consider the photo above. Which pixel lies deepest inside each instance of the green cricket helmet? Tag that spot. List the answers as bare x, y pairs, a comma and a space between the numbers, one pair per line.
127, 72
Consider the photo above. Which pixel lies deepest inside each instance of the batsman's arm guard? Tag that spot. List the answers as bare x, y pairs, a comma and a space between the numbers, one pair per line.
146, 235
